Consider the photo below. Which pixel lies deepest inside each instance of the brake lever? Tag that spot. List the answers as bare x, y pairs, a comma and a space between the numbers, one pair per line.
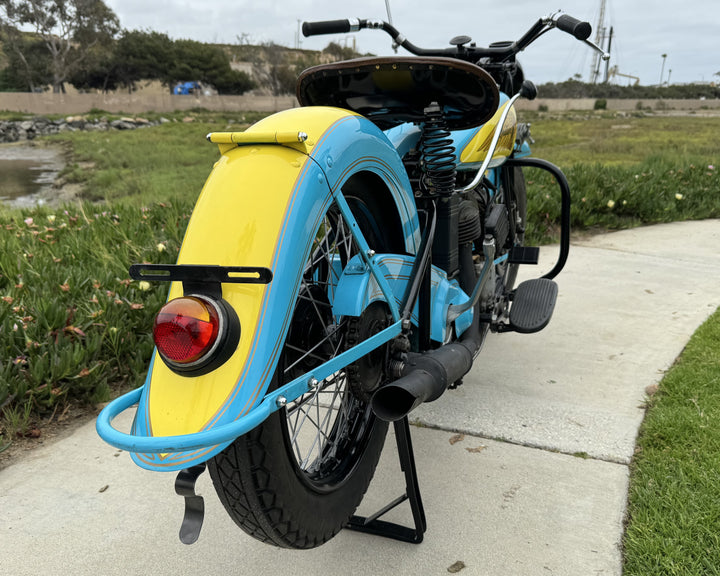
551, 21
604, 55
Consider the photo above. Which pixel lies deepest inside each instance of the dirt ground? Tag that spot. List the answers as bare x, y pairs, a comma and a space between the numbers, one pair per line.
61, 425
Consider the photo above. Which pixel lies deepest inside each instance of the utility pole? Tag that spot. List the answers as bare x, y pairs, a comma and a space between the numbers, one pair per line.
298, 40
607, 62
387, 7
599, 41
662, 68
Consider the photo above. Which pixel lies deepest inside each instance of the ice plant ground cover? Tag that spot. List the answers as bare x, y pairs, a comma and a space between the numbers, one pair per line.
625, 171
72, 323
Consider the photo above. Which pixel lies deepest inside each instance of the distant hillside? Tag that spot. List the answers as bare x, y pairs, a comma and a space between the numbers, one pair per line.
275, 68
576, 89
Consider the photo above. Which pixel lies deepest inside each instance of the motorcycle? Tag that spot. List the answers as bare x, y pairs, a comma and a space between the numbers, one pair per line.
343, 264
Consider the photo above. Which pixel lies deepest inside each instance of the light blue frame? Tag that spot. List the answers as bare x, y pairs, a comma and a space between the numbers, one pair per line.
272, 402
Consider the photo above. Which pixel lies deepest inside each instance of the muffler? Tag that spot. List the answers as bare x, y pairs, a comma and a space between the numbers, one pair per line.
425, 378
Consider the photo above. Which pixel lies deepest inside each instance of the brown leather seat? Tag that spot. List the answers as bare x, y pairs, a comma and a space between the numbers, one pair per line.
390, 91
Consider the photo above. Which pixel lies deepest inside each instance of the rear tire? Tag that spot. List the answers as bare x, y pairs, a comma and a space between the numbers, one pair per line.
296, 480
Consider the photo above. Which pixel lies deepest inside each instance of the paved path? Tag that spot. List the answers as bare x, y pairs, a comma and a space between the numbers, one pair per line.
513, 496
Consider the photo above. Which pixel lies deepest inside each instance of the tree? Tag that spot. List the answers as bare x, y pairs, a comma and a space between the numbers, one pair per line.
147, 55
194, 61
27, 63
142, 55
97, 71
68, 28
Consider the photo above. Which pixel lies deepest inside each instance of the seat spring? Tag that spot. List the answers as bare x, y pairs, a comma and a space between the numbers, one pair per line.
438, 154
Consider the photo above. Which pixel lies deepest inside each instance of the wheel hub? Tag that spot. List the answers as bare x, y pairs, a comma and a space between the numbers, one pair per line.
367, 373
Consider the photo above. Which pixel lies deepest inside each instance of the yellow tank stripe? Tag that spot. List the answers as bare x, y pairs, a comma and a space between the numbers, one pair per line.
478, 147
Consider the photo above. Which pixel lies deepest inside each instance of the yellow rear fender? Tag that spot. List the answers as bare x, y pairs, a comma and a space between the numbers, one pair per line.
261, 206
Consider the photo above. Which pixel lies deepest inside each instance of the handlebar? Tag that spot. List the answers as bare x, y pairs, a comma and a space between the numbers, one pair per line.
499, 52
328, 27
581, 30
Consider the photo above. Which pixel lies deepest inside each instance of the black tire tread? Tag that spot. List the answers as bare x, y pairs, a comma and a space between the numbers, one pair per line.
243, 476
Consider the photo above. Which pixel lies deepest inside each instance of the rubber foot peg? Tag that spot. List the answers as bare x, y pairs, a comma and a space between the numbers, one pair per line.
533, 305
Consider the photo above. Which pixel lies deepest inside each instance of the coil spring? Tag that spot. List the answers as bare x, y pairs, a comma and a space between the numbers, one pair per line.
438, 154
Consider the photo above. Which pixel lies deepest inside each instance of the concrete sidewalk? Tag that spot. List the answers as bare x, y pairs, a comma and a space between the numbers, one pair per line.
504, 486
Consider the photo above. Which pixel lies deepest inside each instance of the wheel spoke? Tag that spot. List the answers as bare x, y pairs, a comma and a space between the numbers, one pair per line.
312, 353
299, 416
319, 423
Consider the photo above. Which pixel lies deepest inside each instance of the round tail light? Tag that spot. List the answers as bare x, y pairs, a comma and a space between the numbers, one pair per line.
195, 334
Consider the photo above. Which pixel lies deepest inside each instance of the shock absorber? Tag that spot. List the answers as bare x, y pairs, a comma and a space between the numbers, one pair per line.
438, 158
438, 153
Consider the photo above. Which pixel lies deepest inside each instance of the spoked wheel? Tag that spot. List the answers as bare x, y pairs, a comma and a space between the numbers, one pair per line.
296, 480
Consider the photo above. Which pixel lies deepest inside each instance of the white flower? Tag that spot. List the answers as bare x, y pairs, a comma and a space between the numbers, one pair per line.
161, 247
144, 285
678, 196
611, 203
51, 218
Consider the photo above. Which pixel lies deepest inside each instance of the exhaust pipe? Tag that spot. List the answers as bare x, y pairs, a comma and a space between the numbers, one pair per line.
425, 378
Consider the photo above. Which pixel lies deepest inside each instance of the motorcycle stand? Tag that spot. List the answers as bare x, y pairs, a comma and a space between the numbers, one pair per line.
195, 506
372, 524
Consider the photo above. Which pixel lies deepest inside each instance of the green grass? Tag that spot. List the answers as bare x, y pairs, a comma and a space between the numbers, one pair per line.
73, 324
625, 141
625, 172
674, 503
149, 164
161, 163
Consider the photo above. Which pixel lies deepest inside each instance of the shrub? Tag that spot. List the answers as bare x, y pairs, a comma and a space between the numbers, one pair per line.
71, 321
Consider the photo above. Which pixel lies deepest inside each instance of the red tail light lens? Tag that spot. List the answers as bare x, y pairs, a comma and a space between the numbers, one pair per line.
187, 330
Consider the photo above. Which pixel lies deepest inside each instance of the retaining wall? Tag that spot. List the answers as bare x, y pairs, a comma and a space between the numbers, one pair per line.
71, 104
620, 105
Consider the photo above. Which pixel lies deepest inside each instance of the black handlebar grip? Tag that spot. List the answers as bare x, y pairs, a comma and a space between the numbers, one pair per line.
581, 30
325, 27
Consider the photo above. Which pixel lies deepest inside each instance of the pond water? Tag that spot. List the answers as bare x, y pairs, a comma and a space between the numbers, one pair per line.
27, 174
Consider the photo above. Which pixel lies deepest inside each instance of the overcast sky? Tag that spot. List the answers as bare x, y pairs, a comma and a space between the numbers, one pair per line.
688, 32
